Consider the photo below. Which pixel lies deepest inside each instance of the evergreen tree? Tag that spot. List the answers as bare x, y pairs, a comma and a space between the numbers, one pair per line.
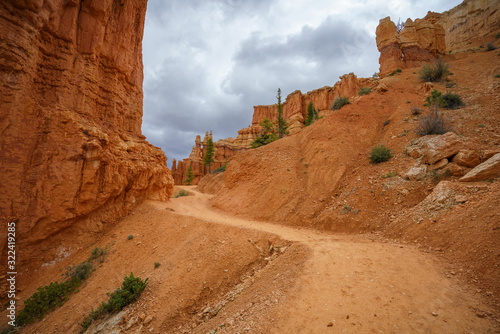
267, 134
312, 114
209, 154
190, 176
281, 124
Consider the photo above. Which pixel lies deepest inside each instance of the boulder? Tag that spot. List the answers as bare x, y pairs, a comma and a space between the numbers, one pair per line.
489, 169
467, 158
434, 148
416, 173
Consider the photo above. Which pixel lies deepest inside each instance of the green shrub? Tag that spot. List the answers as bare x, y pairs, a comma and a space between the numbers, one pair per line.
267, 134
221, 169
131, 289
364, 91
340, 102
434, 72
497, 75
433, 124
497, 35
181, 193
80, 272
397, 71
380, 153
130, 237
157, 264
447, 100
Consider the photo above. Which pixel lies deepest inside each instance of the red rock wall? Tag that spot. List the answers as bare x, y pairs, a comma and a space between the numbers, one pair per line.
73, 156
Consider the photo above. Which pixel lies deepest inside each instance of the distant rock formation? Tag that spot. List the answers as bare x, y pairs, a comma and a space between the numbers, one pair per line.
294, 112
424, 40
419, 42
73, 158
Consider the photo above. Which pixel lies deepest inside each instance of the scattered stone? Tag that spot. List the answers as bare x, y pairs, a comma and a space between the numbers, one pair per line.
416, 173
489, 169
434, 314
455, 170
330, 324
440, 164
480, 314
460, 199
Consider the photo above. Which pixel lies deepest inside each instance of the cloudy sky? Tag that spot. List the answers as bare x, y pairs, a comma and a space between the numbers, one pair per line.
208, 62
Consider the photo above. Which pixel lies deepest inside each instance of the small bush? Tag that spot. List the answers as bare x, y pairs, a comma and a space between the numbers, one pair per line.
364, 91
447, 100
415, 111
130, 237
340, 102
497, 35
433, 124
380, 153
131, 289
80, 272
181, 193
397, 71
434, 72
497, 75
491, 47
157, 264
98, 254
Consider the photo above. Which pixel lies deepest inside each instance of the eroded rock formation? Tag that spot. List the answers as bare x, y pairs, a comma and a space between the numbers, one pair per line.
73, 158
294, 112
419, 42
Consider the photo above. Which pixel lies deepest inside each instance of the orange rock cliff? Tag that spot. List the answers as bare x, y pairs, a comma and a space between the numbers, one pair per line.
73, 158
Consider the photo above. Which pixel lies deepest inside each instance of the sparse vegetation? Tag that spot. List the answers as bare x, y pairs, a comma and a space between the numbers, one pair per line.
267, 134
157, 264
447, 100
364, 91
497, 35
497, 75
131, 289
189, 176
375, 75
130, 237
433, 124
340, 102
181, 193
49, 297
415, 111
491, 47
397, 71
221, 169
434, 72
312, 114
390, 174
380, 153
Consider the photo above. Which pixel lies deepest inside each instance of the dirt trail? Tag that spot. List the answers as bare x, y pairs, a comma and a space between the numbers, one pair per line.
352, 284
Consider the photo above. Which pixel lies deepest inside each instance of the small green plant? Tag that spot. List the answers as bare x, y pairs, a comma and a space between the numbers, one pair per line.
450, 84
130, 237
340, 102
491, 47
189, 175
375, 75
433, 124
221, 169
380, 153
181, 193
364, 91
434, 72
131, 289
346, 209
99, 254
447, 100
312, 114
497, 75
390, 174
397, 71
157, 264
497, 35
480, 125
267, 134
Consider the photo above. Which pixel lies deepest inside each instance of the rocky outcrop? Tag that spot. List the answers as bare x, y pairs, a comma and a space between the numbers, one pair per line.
294, 112
490, 169
420, 41
469, 23
224, 149
73, 156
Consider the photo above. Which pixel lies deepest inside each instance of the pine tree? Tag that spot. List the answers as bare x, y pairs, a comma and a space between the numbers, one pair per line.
190, 176
209, 154
267, 134
281, 124
312, 114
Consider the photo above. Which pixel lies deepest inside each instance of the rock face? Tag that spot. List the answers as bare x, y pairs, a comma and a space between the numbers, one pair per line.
466, 24
419, 42
73, 156
294, 112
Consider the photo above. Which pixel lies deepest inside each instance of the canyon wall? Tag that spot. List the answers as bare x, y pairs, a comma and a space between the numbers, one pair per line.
294, 112
73, 158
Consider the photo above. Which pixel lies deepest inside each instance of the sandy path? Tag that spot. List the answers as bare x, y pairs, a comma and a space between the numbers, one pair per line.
355, 285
